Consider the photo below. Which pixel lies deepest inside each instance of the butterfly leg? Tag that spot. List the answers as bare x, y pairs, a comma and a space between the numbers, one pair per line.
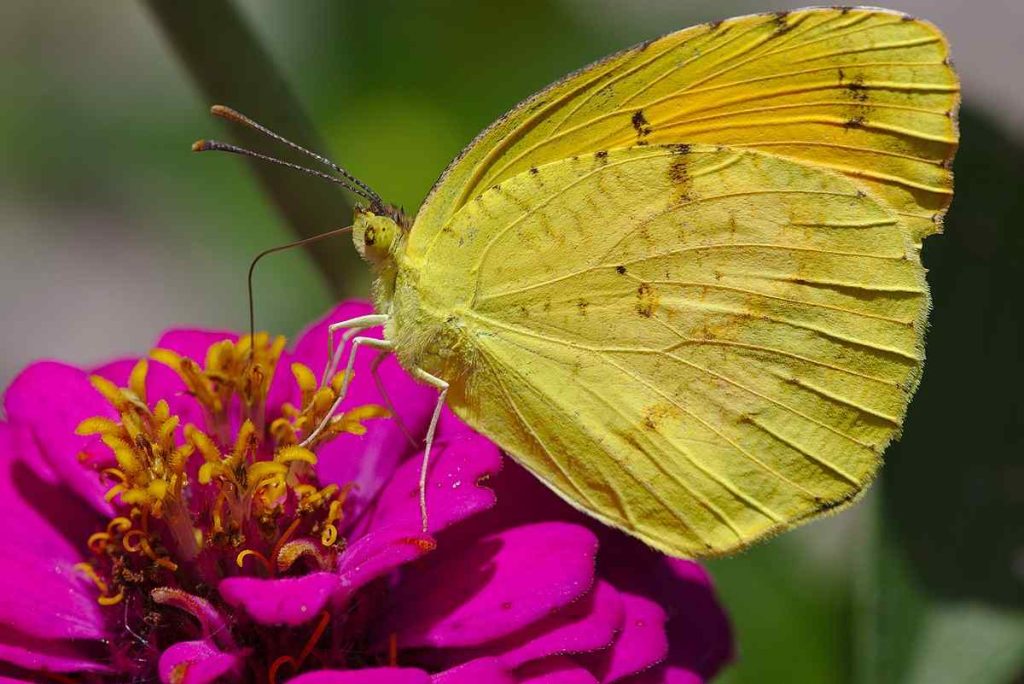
433, 381
351, 327
383, 391
372, 342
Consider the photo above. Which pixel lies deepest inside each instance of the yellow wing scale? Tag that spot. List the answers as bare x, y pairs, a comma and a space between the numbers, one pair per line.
682, 286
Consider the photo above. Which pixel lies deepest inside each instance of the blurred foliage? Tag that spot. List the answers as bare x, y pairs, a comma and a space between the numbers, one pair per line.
922, 582
212, 39
955, 482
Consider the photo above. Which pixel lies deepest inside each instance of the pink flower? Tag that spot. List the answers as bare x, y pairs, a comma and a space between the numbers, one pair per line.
162, 521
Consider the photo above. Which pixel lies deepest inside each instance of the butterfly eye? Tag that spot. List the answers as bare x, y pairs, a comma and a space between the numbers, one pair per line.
374, 236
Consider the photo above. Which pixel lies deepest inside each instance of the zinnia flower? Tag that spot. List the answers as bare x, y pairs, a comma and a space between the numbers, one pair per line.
162, 521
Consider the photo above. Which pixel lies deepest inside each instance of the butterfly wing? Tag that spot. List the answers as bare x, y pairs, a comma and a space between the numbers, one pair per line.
869, 93
698, 345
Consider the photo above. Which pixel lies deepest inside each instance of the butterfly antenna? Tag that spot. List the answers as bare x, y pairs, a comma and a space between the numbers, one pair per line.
272, 250
218, 146
229, 114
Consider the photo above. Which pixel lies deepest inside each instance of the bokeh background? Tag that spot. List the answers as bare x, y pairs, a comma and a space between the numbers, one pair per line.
110, 231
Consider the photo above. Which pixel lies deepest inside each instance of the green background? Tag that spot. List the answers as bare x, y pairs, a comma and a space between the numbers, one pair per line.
112, 231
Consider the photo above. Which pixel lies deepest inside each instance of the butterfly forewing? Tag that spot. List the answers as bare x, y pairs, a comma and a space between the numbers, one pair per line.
866, 92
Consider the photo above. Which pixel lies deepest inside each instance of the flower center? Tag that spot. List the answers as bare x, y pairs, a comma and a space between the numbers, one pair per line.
235, 496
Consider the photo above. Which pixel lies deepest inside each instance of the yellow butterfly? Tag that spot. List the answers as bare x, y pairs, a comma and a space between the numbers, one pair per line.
682, 285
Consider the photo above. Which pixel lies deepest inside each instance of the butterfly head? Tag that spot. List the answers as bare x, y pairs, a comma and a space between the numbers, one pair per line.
377, 233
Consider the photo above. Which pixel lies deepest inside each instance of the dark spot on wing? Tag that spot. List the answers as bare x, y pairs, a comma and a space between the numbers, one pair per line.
640, 124
679, 148
855, 122
602, 156
533, 171
858, 91
646, 300
621, 270
781, 25
370, 236
843, 9
679, 173
713, 25
581, 306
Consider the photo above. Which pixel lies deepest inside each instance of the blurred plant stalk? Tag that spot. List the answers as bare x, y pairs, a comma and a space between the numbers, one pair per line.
228, 63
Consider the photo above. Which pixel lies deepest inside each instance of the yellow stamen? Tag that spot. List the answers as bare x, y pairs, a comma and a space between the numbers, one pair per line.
132, 546
116, 473
111, 600
97, 425
295, 453
137, 379
97, 541
109, 390
119, 524
246, 553
305, 379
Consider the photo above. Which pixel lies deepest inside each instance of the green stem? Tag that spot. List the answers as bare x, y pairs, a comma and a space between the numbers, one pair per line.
231, 67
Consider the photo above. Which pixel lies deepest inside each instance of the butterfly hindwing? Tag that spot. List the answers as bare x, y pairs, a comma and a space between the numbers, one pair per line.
699, 345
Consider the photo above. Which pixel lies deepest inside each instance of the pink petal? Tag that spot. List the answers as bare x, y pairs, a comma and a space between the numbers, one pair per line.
116, 372
589, 624
642, 643
367, 460
378, 553
44, 517
195, 662
55, 655
46, 598
665, 674
194, 343
290, 601
454, 489
555, 670
679, 675
51, 399
495, 587
699, 634
373, 675
41, 655
479, 671
583, 626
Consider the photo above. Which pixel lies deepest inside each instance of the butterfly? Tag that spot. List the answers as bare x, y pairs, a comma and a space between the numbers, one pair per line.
682, 286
